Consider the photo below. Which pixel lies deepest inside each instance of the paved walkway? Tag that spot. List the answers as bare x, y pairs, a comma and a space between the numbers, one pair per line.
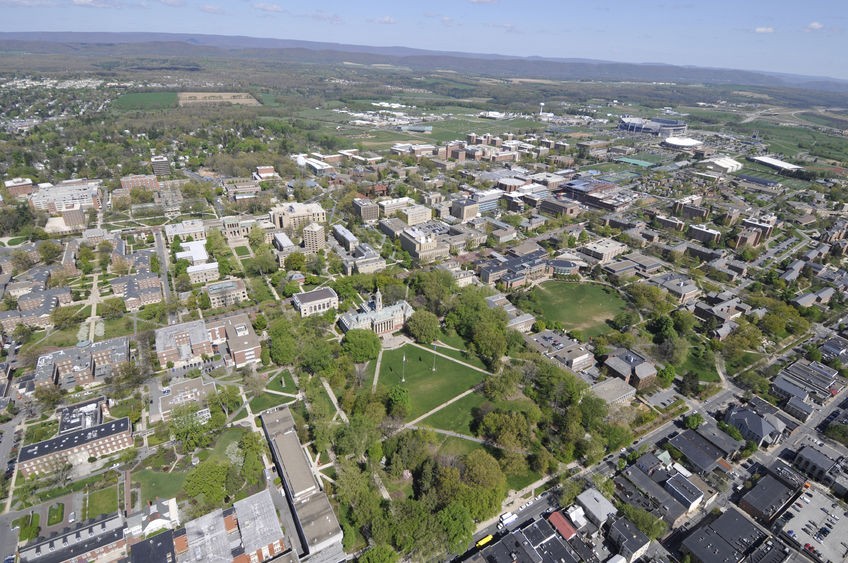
377, 371
460, 362
438, 408
332, 396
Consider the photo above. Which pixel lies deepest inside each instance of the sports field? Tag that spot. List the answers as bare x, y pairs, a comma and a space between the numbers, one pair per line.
580, 306
427, 389
147, 100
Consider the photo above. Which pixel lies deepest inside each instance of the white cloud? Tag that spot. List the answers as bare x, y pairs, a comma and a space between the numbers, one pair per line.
508, 27
27, 3
763, 30
814, 26
210, 9
266, 7
92, 4
387, 20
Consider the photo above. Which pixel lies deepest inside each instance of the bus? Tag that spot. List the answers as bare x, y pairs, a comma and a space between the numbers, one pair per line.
485, 540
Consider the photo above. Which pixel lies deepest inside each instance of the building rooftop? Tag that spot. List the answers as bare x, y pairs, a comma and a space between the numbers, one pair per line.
72, 543
74, 439
207, 538
768, 496
316, 295
596, 504
258, 521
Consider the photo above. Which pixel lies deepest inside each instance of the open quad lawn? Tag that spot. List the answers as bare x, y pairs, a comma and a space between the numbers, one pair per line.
580, 306
427, 389
462, 356
459, 416
266, 401
242, 251
284, 382
159, 484
229, 436
104, 501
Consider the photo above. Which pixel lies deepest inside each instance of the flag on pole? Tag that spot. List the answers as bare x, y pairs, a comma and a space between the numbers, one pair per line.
404, 356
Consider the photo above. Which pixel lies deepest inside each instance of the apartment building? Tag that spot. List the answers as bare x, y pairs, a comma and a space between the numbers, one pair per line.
292, 216
704, 234
315, 302
227, 292
75, 448
161, 165
314, 238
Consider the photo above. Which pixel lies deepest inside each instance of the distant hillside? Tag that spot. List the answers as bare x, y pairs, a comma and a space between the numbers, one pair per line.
196, 45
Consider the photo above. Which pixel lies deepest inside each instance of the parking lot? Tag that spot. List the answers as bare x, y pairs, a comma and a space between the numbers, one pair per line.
818, 524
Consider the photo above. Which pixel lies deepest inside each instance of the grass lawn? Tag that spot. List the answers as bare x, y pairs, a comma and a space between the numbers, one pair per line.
242, 251
41, 431
55, 514
284, 383
427, 389
27, 534
225, 439
241, 415
61, 338
266, 401
585, 306
457, 447
746, 360
463, 356
517, 481
121, 326
706, 370
16, 241
157, 483
458, 416
147, 100
104, 501
452, 339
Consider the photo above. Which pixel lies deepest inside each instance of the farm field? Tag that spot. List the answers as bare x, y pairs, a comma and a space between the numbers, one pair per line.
147, 100
427, 389
580, 306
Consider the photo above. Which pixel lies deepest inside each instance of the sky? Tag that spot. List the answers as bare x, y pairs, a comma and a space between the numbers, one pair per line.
800, 37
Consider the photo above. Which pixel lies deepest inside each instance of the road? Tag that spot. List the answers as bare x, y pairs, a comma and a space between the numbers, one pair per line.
163, 270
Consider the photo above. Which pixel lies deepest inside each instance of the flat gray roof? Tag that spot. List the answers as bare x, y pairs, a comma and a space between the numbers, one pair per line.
281, 429
207, 538
258, 521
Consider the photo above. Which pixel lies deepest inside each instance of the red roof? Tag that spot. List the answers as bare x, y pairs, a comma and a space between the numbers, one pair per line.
558, 521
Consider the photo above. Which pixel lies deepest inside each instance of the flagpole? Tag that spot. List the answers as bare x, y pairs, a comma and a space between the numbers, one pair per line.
434, 357
403, 368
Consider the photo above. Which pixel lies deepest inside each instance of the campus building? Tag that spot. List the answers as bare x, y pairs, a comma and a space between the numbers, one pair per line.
377, 318
75, 448
190, 228
315, 302
292, 216
226, 292
203, 273
83, 364
314, 238
315, 522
